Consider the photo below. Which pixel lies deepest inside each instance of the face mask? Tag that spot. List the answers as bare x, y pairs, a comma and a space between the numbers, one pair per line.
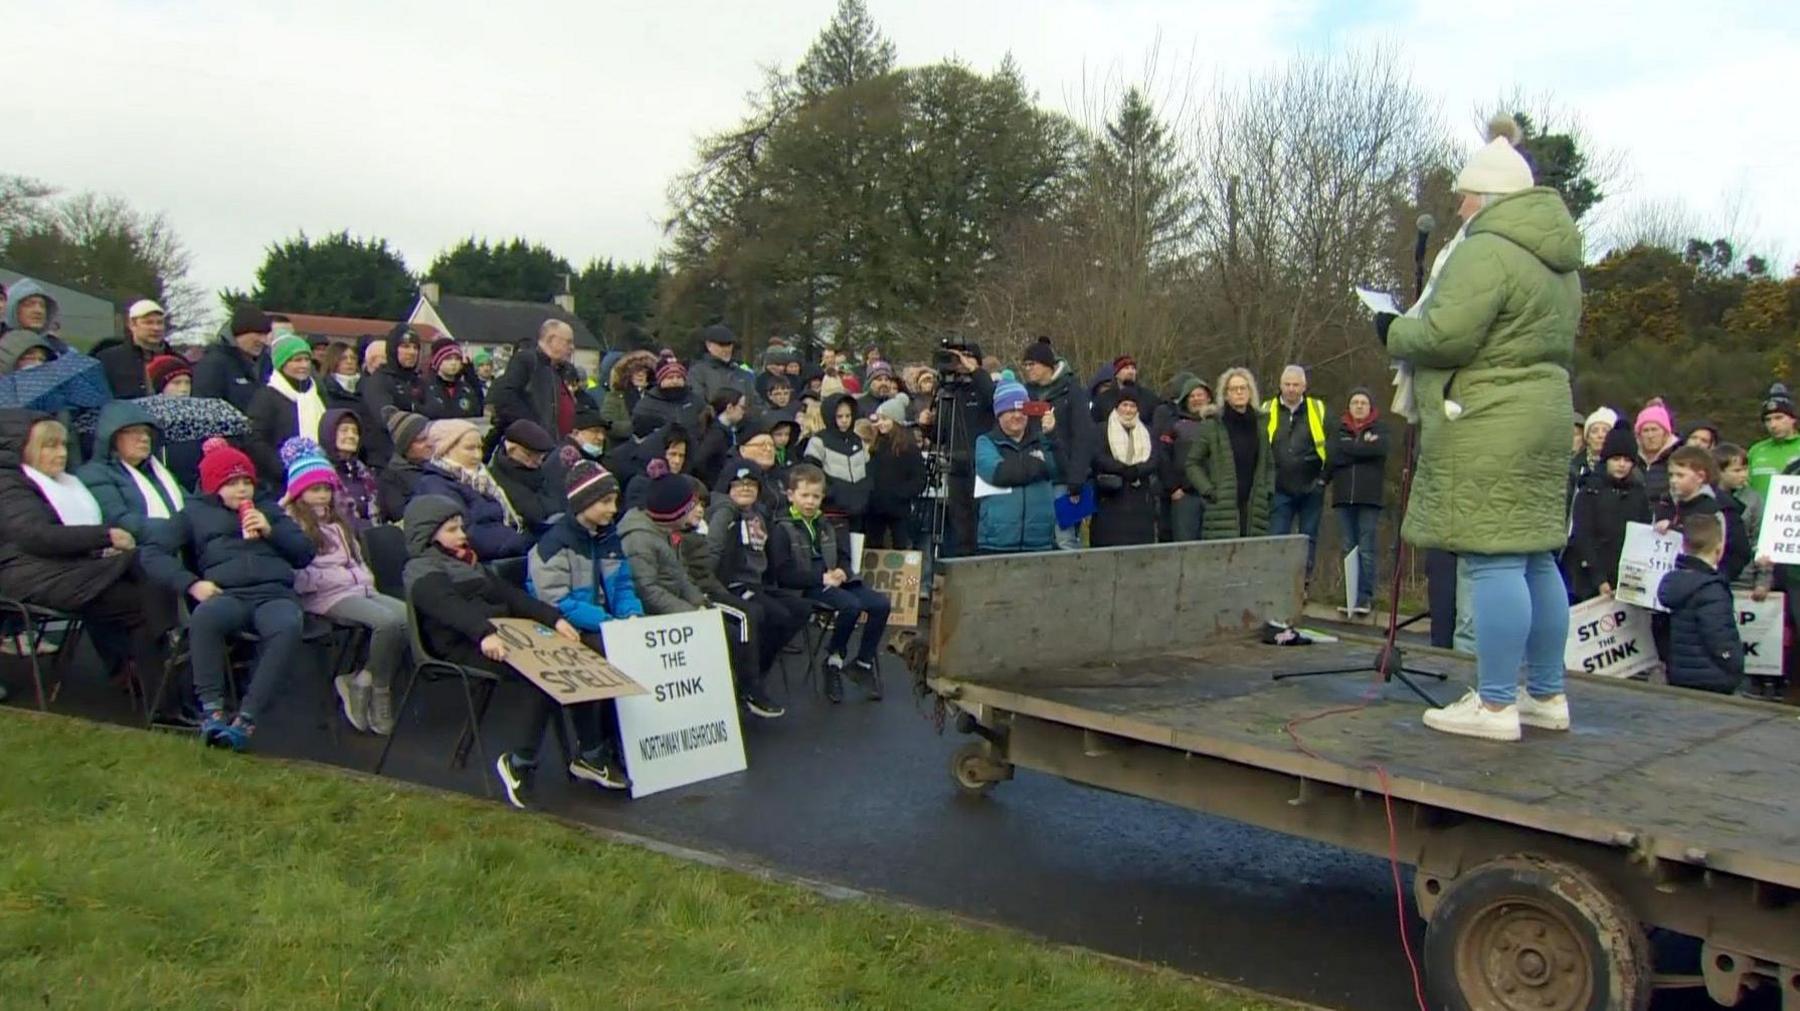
591, 449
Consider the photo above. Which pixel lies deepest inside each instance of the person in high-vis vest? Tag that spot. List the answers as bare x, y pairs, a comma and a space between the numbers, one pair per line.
1300, 450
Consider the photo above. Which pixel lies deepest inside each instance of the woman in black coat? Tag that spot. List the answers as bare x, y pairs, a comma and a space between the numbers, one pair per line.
1127, 461
288, 405
57, 552
394, 384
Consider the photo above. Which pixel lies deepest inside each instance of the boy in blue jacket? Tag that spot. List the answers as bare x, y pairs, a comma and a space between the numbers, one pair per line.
1705, 650
579, 567
246, 552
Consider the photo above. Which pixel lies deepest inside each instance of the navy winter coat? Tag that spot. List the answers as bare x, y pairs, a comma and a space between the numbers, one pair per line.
484, 518
1705, 651
212, 535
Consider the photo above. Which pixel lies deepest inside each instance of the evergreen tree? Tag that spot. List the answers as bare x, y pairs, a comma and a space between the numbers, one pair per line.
336, 276
515, 269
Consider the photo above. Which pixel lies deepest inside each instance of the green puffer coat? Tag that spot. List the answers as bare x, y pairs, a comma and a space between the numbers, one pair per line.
1212, 473
1496, 334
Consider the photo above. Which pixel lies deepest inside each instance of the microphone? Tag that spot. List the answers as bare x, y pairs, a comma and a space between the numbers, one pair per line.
1425, 225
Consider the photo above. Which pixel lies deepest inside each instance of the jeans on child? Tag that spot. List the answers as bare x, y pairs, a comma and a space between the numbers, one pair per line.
276, 621
1521, 616
850, 601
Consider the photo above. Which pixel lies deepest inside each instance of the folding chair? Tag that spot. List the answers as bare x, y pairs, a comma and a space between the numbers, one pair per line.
241, 657
31, 622
816, 634
384, 548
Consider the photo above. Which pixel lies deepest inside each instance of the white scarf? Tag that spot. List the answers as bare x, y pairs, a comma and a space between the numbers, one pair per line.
1129, 445
154, 507
74, 504
309, 405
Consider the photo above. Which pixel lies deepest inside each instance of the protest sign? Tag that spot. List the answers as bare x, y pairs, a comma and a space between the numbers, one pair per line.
1779, 538
1352, 578
897, 574
684, 729
567, 671
1609, 638
1646, 558
1759, 625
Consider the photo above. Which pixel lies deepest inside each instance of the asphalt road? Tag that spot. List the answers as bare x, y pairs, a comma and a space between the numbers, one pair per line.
860, 795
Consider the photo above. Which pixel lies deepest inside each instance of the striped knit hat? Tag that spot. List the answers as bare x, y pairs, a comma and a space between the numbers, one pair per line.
306, 466
671, 495
587, 483
670, 366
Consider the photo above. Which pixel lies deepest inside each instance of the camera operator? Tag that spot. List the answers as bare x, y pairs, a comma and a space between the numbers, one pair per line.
965, 405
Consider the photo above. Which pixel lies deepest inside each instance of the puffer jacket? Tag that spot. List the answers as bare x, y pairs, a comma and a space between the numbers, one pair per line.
41, 559
845, 461
1738, 549
334, 575
584, 574
1023, 519
1212, 473
657, 570
483, 517
623, 397
801, 551
1705, 650
1359, 463
120, 496
1602, 509
677, 406
1495, 333
253, 569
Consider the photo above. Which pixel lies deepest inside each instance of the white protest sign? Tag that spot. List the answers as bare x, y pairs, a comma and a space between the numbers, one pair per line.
1352, 573
1779, 538
1609, 638
1646, 558
1759, 625
685, 727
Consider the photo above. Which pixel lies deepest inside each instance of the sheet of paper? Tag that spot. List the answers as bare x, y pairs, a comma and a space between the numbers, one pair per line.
983, 489
1378, 301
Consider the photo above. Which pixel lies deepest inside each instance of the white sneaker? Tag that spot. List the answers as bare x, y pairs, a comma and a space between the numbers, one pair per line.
1470, 718
381, 707
1545, 714
354, 700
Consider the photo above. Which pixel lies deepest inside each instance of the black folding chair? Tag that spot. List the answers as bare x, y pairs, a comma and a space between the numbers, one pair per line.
29, 624
815, 635
474, 680
241, 657
384, 548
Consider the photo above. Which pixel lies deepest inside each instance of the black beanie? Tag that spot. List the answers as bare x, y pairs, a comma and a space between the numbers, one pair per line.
247, 318
1040, 352
1619, 442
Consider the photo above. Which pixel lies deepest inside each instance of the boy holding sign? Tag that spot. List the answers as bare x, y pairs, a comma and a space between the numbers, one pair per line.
1705, 651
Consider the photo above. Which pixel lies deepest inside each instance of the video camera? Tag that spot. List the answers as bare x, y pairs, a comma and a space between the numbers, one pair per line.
946, 358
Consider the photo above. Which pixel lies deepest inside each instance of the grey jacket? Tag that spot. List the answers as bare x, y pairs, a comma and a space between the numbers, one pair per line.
656, 568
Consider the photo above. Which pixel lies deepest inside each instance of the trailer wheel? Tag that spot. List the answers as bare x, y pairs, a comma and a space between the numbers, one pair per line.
972, 769
1522, 932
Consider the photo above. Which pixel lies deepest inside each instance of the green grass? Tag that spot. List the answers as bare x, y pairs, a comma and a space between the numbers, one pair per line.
139, 870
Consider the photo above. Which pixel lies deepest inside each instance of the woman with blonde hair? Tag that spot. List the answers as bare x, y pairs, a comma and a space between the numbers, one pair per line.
1228, 463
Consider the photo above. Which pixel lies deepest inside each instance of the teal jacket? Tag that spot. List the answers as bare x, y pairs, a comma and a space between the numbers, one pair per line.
1024, 518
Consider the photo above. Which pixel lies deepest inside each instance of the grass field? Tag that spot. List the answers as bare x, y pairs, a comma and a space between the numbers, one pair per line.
141, 871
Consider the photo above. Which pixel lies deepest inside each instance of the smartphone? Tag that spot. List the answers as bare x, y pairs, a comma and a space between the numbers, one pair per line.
1036, 408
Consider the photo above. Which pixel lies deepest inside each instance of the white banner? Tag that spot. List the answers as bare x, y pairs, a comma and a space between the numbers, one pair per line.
1759, 625
684, 729
1780, 535
1609, 638
1646, 558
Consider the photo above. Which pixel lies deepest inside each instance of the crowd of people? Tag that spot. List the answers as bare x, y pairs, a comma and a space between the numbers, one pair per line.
665, 486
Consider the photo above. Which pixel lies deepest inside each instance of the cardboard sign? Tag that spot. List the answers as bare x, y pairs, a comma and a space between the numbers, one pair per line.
567, 671
1759, 625
1609, 638
898, 574
684, 729
1779, 538
1646, 558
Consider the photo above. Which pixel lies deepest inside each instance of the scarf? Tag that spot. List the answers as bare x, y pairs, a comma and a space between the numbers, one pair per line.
460, 566
309, 407
1129, 446
162, 498
477, 479
347, 383
1358, 427
74, 504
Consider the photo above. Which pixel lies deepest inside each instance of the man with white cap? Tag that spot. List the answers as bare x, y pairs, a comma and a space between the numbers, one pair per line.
127, 362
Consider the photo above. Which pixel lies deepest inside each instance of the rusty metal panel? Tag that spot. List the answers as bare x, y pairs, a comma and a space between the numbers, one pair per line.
1003, 615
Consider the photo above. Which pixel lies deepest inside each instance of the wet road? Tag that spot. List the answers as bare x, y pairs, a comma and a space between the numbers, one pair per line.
860, 795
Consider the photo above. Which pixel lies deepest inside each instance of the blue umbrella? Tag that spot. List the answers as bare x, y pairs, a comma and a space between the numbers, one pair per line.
68, 382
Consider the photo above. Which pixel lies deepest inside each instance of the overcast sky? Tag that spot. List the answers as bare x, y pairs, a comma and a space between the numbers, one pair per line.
246, 121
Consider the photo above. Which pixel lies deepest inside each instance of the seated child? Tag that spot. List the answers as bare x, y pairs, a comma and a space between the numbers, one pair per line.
1705, 651
809, 554
338, 584
455, 598
247, 553
737, 527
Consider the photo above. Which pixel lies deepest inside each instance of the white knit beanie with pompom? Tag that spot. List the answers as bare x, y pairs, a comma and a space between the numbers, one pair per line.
1497, 167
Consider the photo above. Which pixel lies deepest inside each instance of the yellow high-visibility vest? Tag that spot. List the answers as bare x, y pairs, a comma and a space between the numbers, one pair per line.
1315, 419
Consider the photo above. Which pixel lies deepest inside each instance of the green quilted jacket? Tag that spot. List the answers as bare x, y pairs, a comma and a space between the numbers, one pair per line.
1212, 473
1496, 335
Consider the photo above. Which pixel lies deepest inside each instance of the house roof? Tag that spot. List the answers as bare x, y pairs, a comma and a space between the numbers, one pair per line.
347, 328
504, 320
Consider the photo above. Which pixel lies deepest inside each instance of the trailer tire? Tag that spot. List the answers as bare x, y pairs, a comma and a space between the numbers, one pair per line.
971, 768
1525, 932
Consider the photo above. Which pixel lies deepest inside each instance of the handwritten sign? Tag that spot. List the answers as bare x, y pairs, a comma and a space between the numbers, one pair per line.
1609, 638
898, 574
1646, 558
1779, 538
567, 671
684, 728
1759, 625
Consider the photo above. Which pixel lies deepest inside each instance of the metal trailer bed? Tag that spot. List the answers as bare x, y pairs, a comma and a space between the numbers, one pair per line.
1540, 864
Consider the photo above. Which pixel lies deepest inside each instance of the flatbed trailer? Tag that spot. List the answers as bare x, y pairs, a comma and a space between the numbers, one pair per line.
1539, 865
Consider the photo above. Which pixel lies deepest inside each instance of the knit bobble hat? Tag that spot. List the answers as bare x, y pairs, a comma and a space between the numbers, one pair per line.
222, 463
306, 466
894, 408
1009, 396
442, 352
588, 483
1654, 413
668, 366
287, 348
163, 370
1779, 401
404, 427
1498, 167
446, 433
671, 495
881, 368
1122, 363
1602, 415
1040, 352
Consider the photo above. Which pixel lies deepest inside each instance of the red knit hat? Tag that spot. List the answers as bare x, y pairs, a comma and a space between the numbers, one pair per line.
220, 464
442, 352
670, 366
164, 368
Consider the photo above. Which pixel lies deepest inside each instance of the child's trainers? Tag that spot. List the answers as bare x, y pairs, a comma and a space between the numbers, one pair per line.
515, 777
1545, 714
834, 677
601, 768
236, 734
381, 709
867, 675
212, 728
759, 704
355, 700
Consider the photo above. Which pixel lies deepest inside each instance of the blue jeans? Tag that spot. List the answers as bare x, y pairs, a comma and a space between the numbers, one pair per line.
1357, 527
852, 601
1305, 509
1521, 616
211, 626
